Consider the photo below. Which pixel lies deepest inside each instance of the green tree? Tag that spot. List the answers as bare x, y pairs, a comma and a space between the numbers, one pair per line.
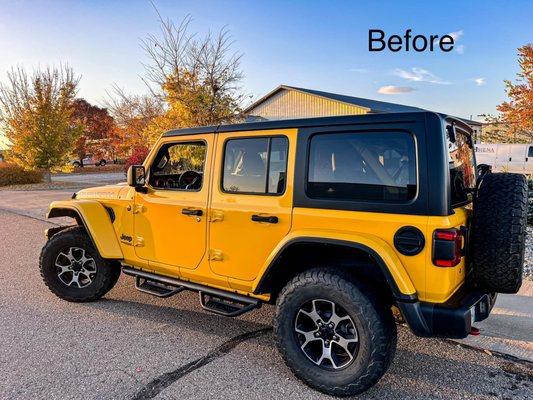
35, 113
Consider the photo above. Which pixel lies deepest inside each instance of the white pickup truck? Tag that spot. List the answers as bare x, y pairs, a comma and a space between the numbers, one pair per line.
503, 157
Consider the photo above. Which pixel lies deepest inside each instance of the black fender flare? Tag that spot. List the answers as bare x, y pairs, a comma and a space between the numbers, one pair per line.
398, 295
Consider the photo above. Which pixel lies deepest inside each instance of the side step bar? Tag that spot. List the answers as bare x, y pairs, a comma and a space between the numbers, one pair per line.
155, 288
226, 307
214, 300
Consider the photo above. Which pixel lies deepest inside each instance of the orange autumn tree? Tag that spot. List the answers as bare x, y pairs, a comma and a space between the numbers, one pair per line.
517, 112
97, 131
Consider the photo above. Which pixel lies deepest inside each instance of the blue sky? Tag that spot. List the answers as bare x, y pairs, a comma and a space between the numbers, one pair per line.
315, 44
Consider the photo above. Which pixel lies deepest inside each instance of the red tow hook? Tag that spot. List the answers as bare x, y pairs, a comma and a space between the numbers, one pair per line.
474, 331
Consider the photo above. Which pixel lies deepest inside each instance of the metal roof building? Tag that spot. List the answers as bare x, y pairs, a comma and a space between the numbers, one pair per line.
288, 102
294, 102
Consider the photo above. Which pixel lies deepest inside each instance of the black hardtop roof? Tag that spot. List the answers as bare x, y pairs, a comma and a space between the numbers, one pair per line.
306, 122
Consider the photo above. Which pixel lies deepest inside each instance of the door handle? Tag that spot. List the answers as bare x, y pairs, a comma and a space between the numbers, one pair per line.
192, 211
271, 219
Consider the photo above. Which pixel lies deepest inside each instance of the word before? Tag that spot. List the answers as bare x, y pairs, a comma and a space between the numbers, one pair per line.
419, 43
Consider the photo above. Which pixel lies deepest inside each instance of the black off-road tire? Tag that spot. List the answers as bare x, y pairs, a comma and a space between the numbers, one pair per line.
373, 320
499, 232
530, 201
107, 272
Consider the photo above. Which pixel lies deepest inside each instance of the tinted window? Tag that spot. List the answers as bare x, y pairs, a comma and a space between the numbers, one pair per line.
179, 166
255, 165
377, 166
530, 152
277, 171
462, 168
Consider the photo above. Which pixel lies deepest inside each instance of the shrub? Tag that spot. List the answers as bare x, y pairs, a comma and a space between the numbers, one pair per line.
64, 169
138, 155
12, 174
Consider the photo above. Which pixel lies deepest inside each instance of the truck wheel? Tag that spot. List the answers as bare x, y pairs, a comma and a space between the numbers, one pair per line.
72, 268
499, 232
335, 335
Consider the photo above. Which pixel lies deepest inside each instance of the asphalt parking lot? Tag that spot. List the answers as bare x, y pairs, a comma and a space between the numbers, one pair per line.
133, 346
92, 178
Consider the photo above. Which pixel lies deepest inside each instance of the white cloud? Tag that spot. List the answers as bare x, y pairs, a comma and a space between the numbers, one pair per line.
395, 89
480, 81
419, 75
456, 35
460, 49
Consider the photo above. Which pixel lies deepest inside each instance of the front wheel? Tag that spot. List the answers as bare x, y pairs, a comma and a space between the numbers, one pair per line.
334, 335
72, 268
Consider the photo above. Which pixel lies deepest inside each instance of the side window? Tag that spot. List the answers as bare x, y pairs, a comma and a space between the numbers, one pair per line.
179, 166
530, 152
255, 165
378, 166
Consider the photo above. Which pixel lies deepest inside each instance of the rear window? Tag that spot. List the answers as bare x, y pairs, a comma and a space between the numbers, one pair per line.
371, 166
462, 168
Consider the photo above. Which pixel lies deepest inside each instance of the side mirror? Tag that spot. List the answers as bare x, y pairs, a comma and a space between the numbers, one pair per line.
137, 177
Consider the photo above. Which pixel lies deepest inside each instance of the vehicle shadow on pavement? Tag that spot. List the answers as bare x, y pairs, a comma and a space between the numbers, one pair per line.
421, 369
200, 321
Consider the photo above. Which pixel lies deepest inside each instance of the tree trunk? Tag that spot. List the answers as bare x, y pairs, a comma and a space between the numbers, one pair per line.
47, 176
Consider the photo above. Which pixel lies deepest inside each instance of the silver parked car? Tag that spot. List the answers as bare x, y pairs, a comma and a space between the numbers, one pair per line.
89, 160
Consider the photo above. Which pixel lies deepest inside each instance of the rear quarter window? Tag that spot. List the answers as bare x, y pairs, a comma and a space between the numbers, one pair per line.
462, 168
368, 166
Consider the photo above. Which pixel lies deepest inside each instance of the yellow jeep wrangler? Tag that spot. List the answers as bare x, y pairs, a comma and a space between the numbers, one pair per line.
344, 223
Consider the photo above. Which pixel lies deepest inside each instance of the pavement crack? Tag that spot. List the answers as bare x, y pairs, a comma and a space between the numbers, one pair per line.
157, 385
21, 214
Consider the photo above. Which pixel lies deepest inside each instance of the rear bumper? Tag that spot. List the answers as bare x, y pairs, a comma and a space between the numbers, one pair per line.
452, 319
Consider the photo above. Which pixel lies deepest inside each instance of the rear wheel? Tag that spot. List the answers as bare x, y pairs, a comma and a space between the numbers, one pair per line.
334, 335
499, 232
103, 163
72, 268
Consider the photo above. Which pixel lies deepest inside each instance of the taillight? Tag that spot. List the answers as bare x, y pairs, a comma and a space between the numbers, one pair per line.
447, 247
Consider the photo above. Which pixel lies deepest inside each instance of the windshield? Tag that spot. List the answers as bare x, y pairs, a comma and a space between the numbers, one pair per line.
462, 167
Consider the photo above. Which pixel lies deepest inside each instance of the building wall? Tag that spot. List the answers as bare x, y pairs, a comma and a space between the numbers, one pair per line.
294, 104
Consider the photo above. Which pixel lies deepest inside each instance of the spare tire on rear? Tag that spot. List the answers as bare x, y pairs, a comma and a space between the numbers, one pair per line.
499, 232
